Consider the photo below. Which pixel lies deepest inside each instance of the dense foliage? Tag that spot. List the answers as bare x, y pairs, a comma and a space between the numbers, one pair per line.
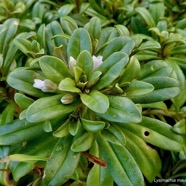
92, 92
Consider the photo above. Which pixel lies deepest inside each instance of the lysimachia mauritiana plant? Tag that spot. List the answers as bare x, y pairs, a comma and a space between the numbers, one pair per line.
87, 105
84, 103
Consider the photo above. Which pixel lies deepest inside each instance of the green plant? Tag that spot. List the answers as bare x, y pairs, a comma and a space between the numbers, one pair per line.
83, 104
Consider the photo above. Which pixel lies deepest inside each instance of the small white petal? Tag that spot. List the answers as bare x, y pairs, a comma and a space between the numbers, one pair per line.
72, 62
45, 86
38, 84
97, 61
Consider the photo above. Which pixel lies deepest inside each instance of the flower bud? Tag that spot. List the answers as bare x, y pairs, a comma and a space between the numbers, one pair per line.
67, 99
45, 86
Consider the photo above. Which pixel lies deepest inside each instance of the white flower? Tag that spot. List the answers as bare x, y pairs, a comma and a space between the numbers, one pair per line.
97, 61
45, 86
72, 63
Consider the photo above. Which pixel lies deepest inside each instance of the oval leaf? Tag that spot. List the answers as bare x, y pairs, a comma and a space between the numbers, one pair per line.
68, 85
95, 101
92, 126
54, 68
49, 108
80, 40
111, 68
121, 110
83, 143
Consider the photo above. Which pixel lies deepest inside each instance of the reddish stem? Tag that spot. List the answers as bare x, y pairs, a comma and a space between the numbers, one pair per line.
95, 159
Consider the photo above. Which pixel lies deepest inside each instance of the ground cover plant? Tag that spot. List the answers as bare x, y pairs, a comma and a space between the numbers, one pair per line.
92, 92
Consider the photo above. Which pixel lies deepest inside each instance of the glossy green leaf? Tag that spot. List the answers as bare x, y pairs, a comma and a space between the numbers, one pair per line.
94, 28
47, 127
139, 88
8, 114
60, 168
180, 99
158, 105
10, 34
181, 23
24, 45
164, 88
123, 30
150, 45
27, 23
41, 36
49, 108
23, 101
65, 9
111, 68
180, 127
155, 68
2, 37
23, 80
68, 85
83, 143
85, 62
63, 130
120, 164
92, 126
51, 30
146, 157
41, 146
119, 44
94, 78
107, 34
95, 101
23, 158
54, 68
157, 133
74, 127
19, 133
12, 50
144, 55
157, 11
68, 24
121, 110
38, 10
79, 41
118, 133
132, 69
144, 13
110, 137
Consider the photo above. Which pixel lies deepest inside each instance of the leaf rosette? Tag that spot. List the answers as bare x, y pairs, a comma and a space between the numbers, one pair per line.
90, 94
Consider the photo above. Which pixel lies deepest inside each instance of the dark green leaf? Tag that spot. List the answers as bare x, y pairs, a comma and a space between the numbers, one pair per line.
120, 164
157, 133
59, 168
121, 110
49, 108
111, 68
120, 44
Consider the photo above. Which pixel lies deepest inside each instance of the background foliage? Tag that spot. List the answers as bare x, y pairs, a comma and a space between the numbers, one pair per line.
92, 92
